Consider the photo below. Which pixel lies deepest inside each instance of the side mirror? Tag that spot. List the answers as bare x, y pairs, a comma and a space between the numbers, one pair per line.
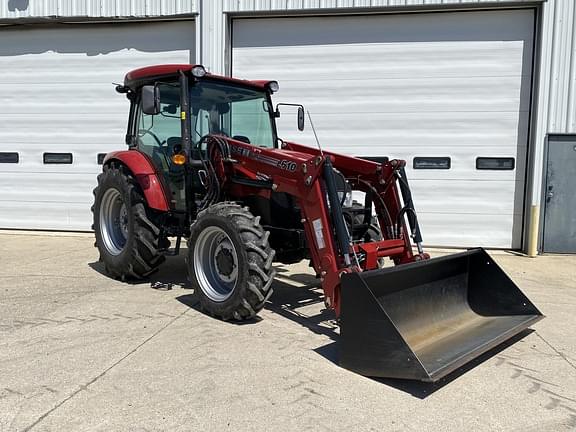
300, 113
150, 100
300, 118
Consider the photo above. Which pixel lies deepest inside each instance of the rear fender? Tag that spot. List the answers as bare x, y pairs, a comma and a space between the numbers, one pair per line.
143, 170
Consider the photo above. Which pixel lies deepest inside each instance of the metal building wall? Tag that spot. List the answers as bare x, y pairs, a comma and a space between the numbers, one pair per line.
217, 12
557, 84
42, 9
555, 78
556, 68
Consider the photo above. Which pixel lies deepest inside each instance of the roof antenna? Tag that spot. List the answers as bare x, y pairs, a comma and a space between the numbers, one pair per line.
315, 136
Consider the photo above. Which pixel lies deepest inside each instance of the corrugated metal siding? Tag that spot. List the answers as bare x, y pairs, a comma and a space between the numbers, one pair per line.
562, 81
247, 5
19, 9
557, 84
216, 34
213, 43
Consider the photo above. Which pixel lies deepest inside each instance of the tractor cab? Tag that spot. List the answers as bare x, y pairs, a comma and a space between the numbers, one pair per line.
235, 109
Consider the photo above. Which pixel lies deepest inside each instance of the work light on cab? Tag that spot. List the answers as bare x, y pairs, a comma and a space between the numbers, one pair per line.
273, 86
198, 71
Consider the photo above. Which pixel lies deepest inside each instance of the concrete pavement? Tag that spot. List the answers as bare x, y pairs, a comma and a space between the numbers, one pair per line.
79, 352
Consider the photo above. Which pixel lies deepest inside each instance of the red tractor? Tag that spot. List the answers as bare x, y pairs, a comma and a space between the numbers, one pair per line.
205, 163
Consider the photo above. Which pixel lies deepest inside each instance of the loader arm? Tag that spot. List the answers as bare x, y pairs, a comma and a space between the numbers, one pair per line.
299, 171
422, 320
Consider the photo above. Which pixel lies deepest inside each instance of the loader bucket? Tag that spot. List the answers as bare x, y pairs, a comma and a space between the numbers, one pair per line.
424, 320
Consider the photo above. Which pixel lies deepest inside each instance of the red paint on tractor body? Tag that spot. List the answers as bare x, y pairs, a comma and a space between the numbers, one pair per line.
296, 170
138, 77
143, 170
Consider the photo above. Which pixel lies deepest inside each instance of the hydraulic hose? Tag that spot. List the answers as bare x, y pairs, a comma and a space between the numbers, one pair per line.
409, 208
342, 236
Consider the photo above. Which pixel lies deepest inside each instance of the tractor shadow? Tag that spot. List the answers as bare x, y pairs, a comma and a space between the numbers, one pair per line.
191, 300
298, 297
422, 390
304, 305
172, 273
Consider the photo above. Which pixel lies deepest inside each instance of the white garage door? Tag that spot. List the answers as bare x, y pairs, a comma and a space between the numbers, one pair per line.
449, 92
58, 98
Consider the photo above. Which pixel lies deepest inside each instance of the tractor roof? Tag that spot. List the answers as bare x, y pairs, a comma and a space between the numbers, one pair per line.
149, 74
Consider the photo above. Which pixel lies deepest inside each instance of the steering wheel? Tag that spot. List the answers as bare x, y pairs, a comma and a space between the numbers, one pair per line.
142, 132
161, 149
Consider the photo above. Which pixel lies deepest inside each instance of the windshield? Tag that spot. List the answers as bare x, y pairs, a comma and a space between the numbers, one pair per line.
238, 112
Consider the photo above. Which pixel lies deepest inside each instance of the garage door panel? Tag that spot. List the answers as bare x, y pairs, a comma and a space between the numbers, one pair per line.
98, 41
58, 97
45, 215
109, 137
31, 187
462, 162
450, 84
67, 124
412, 28
365, 96
469, 230
104, 69
450, 44
356, 133
464, 197
31, 161
411, 95
416, 61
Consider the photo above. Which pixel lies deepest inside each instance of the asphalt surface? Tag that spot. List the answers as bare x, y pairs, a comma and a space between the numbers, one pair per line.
80, 351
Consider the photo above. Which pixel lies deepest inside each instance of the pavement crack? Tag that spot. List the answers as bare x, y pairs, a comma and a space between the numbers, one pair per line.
566, 359
85, 386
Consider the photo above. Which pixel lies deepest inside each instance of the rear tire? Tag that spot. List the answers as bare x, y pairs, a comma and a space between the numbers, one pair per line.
230, 262
373, 232
127, 239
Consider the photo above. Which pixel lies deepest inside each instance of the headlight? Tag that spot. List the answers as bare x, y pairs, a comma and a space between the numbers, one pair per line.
198, 71
273, 86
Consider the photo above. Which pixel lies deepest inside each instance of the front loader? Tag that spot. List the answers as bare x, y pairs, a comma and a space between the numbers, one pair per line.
205, 164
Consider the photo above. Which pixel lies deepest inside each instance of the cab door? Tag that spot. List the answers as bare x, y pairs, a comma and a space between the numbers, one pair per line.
159, 136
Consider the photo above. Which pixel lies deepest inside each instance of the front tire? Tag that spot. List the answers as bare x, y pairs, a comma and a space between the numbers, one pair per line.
230, 262
127, 239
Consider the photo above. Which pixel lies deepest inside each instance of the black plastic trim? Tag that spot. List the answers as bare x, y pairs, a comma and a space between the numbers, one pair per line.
58, 158
432, 162
261, 184
9, 157
379, 159
495, 163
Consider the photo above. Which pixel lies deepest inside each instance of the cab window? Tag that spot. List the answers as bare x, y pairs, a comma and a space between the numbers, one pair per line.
159, 136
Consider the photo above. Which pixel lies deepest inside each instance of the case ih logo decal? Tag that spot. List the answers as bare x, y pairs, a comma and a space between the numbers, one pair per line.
282, 164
